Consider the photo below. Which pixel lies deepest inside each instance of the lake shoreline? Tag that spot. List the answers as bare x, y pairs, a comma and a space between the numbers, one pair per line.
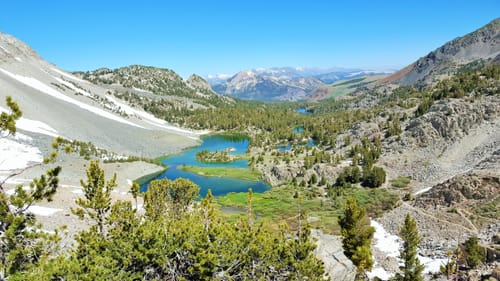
237, 173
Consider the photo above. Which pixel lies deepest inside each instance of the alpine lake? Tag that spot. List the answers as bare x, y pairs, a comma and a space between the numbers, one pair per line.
185, 165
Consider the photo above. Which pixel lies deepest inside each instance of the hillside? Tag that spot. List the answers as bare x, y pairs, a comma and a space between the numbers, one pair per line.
77, 109
482, 44
165, 84
342, 88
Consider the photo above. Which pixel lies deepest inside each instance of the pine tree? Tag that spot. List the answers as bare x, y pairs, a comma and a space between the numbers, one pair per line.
474, 254
135, 190
97, 201
357, 235
412, 269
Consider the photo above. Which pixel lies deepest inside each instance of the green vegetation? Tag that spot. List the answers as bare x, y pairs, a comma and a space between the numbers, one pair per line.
8, 120
400, 182
215, 156
357, 235
346, 87
146, 178
175, 239
474, 253
226, 172
280, 205
23, 244
490, 210
476, 82
412, 268
88, 150
373, 177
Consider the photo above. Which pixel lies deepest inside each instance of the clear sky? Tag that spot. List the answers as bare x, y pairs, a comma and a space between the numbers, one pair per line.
208, 36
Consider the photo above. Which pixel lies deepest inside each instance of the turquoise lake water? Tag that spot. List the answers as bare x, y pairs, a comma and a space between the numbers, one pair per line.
218, 186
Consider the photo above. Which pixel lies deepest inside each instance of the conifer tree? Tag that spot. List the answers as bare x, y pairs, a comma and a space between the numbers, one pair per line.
97, 201
412, 268
357, 235
474, 253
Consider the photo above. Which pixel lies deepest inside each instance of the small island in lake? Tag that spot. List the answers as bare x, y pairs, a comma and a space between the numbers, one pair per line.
222, 156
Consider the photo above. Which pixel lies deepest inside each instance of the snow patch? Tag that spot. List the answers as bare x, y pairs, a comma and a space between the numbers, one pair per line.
148, 118
390, 244
77, 191
38, 85
129, 182
67, 75
387, 243
43, 211
33, 126
18, 59
423, 190
380, 273
14, 155
431, 265
36, 127
72, 87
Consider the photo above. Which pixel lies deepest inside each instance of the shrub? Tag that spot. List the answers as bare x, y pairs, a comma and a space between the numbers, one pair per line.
374, 177
474, 254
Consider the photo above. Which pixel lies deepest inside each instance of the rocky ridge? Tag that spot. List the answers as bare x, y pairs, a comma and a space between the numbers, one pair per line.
482, 44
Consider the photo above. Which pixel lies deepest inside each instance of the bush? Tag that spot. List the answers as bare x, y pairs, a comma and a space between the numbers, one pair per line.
374, 177
474, 254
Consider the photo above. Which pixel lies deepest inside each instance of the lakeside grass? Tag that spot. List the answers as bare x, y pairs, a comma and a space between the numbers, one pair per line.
146, 178
280, 205
223, 172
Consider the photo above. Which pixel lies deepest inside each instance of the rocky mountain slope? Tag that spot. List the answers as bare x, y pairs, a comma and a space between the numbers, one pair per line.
165, 84
482, 44
77, 109
451, 153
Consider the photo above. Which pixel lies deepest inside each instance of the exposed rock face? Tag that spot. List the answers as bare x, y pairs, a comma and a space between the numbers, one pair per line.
199, 83
452, 119
329, 250
483, 43
276, 174
470, 190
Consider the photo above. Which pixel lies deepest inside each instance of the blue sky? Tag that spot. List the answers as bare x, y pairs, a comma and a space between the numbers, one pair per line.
208, 37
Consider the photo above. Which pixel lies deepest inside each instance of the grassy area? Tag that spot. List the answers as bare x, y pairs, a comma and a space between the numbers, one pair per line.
400, 182
346, 87
490, 209
281, 205
144, 179
237, 173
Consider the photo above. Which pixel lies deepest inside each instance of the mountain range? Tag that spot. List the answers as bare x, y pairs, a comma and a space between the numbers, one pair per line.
283, 83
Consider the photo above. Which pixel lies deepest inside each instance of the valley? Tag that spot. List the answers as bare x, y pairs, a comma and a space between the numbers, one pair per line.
422, 141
